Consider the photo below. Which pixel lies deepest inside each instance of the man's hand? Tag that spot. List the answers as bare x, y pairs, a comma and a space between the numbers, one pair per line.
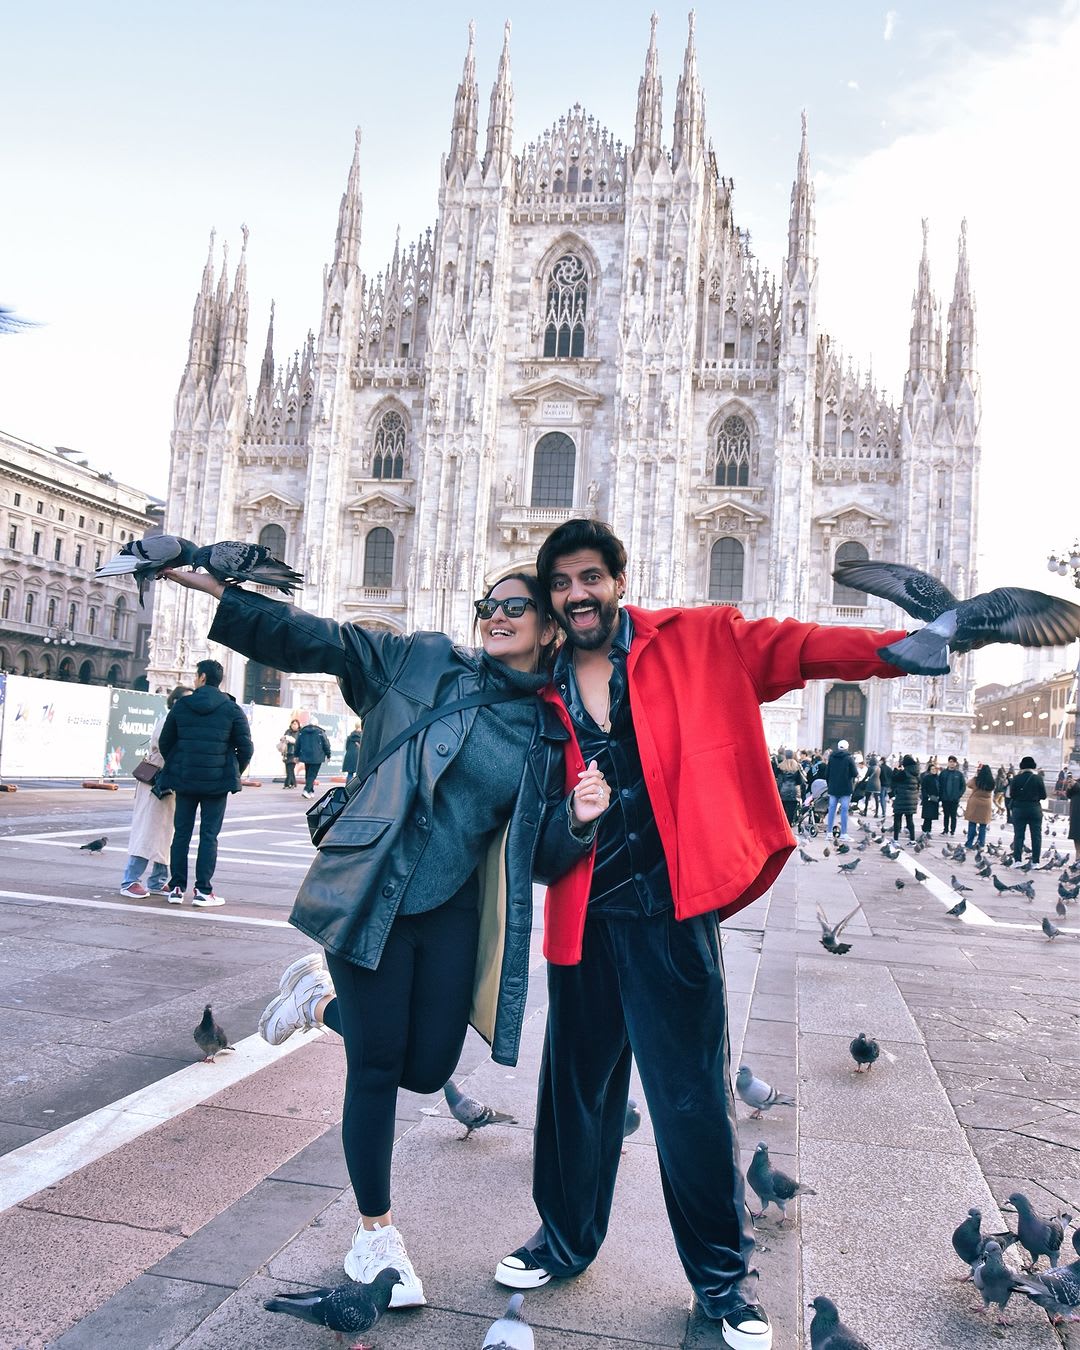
195, 581
591, 796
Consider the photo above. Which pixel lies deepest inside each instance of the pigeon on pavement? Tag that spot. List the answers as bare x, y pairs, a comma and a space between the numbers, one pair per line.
472, 1114
1050, 929
1026, 888
349, 1308
920, 876
849, 867
1038, 1236
511, 1331
807, 857
957, 909
995, 1281
830, 933
969, 1241
95, 845
229, 561
210, 1037
1062, 1285
957, 885
771, 1185
757, 1093
864, 1051
999, 885
1007, 614
899, 884
1068, 892
827, 1332
890, 851
1060, 910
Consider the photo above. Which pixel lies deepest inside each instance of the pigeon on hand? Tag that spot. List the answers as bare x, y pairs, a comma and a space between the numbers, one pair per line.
632, 1119
1007, 614
95, 845
229, 561
995, 1281
807, 857
1038, 1236
957, 909
771, 1185
849, 867
864, 1050
472, 1114
827, 1332
1050, 929
958, 886
920, 876
210, 1037
757, 1093
511, 1331
969, 1242
830, 933
349, 1308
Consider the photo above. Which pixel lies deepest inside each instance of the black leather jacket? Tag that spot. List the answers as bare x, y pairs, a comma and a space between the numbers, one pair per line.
350, 895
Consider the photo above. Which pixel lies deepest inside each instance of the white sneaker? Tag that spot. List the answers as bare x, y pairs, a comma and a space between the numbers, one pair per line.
376, 1248
294, 1008
206, 899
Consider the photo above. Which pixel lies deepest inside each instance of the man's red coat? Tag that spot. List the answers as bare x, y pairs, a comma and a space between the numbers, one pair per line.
696, 679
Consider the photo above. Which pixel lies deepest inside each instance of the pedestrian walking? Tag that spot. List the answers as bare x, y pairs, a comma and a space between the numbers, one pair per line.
868, 787
979, 810
312, 750
1026, 794
905, 796
287, 750
421, 892
1001, 782
929, 795
840, 774
151, 822
951, 789
207, 746
791, 784
350, 763
1072, 796
885, 769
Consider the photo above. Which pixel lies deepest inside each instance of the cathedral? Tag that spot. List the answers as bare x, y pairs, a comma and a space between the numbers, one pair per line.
583, 331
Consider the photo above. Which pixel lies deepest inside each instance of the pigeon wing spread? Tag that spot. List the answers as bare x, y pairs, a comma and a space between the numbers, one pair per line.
1011, 614
917, 593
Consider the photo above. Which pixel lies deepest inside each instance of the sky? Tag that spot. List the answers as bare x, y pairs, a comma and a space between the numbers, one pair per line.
128, 131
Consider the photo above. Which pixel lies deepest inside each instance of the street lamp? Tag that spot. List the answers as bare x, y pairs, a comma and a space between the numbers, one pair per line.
1063, 566
62, 634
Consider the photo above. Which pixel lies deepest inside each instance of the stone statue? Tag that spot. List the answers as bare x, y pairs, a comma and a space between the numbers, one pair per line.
592, 492
508, 489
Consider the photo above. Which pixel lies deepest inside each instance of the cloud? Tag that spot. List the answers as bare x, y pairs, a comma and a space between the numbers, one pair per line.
890, 25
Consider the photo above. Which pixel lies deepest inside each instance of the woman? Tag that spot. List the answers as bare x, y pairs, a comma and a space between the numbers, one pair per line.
287, 750
979, 810
151, 823
350, 761
1027, 792
1072, 796
404, 896
791, 784
929, 795
1001, 782
869, 787
905, 794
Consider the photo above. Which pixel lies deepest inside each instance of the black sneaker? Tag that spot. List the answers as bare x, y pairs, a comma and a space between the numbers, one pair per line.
747, 1328
521, 1270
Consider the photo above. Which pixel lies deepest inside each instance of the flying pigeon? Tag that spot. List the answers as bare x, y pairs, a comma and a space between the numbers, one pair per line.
995, 1281
1008, 614
849, 867
1038, 1236
757, 1093
827, 1332
957, 909
920, 876
632, 1119
95, 845
472, 1114
229, 561
349, 1308
864, 1051
771, 1185
210, 1037
1050, 929
831, 932
969, 1242
958, 886
806, 857
511, 1331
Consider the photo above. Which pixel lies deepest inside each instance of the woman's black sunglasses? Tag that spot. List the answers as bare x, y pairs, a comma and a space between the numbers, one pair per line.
514, 606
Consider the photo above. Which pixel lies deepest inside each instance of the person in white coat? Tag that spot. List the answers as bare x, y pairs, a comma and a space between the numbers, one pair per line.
151, 823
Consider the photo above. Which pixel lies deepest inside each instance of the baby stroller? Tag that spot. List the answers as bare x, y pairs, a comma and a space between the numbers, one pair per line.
811, 813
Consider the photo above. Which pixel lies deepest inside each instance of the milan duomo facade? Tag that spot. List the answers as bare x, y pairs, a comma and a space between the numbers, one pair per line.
583, 332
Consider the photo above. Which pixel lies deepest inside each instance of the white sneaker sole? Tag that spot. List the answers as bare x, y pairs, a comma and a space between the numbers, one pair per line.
213, 902
293, 974
402, 1296
515, 1277
746, 1340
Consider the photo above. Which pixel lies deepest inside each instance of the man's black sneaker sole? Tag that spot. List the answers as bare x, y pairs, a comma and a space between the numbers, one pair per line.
747, 1340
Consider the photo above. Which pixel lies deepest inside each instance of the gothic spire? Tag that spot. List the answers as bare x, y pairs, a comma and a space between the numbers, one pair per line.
689, 139
801, 219
350, 218
501, 115
266, 373
960, 357
463, 132
234, 327
204, 319
925, 352
648, 127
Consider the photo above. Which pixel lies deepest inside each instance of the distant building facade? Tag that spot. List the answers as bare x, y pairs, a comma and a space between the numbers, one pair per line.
584, 332
59, 519
1043, 707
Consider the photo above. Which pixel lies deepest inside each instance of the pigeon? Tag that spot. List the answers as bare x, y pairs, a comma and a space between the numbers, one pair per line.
632, 1119
771, 1185
807, 857
210, 1037
864, 1051
1060, 910
1000, 885
95, 845
1068, 892
1038, 1236
825, 851
827, 1332
890, 851
1050, 929
920, 876
969, 1242
1026, 888
229, 562
843, 848
995, 1281
472, 1114
957, 909
960, 855
849, 867
1007, 614
759, 1094
983, 870
1061, 1298
957, 885
898, 884
830, 933
349, 1308
511, 1331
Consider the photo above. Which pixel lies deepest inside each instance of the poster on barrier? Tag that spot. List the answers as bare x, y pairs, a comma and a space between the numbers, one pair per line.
132, 716
269, 724
53, 730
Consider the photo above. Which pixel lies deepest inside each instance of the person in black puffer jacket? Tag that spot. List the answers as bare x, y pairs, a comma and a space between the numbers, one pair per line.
312, 750
207, 746
951, 785
930, 795
1027, 792
905, 794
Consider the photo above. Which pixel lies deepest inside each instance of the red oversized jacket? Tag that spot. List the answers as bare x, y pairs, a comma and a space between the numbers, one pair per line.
696, 678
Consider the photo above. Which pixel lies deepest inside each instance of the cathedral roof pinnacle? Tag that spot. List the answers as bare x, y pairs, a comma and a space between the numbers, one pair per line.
689, 138
648, 125
501, 113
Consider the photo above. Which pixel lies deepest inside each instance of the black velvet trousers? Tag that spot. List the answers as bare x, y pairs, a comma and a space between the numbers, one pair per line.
651, 989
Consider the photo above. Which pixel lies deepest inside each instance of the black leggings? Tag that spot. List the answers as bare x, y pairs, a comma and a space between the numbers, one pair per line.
403, 1026
898, 817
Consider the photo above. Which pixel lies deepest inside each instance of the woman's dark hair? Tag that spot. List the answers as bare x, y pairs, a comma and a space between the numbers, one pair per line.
176, 694
574, 535
294, 722
541, 598
984, 779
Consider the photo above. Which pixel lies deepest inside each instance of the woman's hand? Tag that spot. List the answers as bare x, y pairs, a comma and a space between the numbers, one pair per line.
195, 581
591, 796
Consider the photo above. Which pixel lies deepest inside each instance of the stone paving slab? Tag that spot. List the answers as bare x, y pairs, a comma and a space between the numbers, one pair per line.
309, 1085
151, 1313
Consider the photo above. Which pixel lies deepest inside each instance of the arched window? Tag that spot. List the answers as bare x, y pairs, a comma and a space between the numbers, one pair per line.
726, 571
379, 558
567, 299
28, 609
388, 460
66, 670
86, 673
5, 603
91, 620
732, 467
118, 618
73, 615
845, 595
273, 538
115, 675
50, 610
553, 470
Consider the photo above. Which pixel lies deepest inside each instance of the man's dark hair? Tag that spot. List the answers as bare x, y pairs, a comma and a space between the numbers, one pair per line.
213, 672
574, 535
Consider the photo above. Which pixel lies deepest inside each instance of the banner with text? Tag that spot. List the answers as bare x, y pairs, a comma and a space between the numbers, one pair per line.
54, 730
132, 716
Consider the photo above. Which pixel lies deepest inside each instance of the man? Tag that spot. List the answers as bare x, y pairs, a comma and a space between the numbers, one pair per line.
840, 773
312, 749
951, 784
207, 746
667, 704
885, 769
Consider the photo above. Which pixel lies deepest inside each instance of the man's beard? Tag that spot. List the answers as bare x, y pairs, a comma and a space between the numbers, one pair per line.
589, 639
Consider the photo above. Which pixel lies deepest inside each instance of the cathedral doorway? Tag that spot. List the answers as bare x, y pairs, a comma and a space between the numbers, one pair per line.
845, 717
262, 684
